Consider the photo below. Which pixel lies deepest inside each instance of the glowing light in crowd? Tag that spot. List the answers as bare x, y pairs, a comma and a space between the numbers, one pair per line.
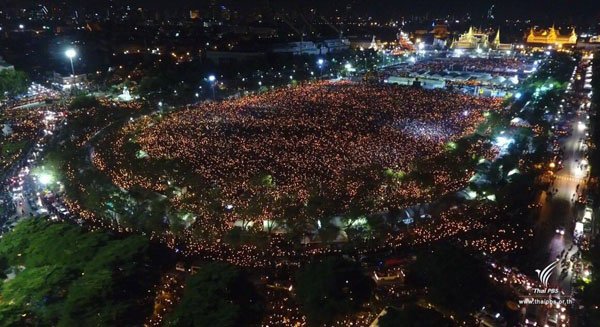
45, 178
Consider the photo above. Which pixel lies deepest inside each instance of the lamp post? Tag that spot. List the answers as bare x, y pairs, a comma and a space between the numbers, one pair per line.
320, 63
212, 79
348, 67
71, 53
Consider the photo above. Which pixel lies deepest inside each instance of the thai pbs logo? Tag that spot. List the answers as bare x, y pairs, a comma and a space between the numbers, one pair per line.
544, 275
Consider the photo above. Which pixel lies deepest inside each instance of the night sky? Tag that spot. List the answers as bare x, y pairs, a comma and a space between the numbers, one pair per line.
548, 10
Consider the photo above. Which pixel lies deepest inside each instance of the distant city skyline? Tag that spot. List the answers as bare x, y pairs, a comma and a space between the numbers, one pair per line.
548, 10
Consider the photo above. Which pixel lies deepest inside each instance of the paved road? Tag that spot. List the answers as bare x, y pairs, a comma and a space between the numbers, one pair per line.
559, 210
21, 173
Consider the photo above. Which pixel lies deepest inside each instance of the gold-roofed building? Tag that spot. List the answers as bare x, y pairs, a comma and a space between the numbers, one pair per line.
551, 36
497, 45
473, 39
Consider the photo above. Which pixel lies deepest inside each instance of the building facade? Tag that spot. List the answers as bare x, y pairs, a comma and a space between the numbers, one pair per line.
473, 39
551, 36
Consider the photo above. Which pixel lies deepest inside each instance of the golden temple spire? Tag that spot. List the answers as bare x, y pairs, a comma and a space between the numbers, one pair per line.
497, 38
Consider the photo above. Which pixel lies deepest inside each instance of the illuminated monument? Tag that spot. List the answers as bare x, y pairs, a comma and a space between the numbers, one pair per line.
478, 40
404, 45
473, 39
497, 45
551, 36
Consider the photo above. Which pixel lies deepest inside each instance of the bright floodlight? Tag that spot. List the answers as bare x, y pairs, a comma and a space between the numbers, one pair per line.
45, 178
503, 141
320, 62
348, 66
211, 78
71, 53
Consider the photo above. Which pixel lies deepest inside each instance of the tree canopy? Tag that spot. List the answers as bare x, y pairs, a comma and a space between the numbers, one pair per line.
590, 290
84, 101
331, 287
61, 275
12, 82
218, 295
413, 316
455, 280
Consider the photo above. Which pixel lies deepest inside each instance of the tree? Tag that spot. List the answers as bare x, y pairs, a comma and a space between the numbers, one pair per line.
413, 316
590, 294
66, 276
156, 83
3, 266
331, 287
218, 295
454, 279
12, 82
84, 102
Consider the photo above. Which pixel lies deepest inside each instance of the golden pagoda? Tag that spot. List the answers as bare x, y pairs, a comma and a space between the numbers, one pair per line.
551, 37
473, 39
497, 45
496, 41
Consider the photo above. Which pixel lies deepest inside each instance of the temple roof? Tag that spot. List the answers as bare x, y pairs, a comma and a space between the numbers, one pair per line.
497, 38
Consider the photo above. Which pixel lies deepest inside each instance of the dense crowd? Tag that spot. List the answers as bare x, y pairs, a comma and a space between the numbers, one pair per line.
17, 128
488, 65
329, 138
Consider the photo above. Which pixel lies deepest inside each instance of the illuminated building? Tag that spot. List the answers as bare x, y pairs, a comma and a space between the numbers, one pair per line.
404, 45
66, 82
440, 30
373, 45
473, 39
194, 14
497, 45
595, 39
551, 37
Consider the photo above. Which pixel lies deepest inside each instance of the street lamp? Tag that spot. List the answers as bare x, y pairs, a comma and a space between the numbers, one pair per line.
349, 68
320, 63
71, 53
212, 79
